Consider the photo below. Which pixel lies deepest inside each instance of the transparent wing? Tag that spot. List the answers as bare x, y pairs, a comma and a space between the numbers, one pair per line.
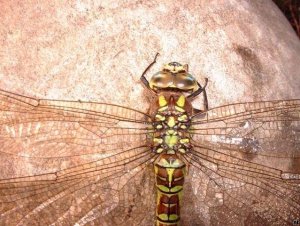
247, 158
89, 163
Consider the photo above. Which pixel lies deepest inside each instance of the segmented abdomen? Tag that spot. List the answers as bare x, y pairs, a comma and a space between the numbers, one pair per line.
169, 173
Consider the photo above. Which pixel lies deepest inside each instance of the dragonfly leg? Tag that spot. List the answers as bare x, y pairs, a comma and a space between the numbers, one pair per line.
143, 78
203, 91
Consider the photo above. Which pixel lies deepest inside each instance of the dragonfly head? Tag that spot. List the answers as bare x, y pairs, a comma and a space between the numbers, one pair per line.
174, 76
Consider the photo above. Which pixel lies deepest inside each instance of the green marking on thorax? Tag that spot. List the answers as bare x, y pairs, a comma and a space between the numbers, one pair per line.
171, 140
184, 140
182, 150
160, 117
171, 122
163, 108
158, 140
159, 126
170, 151
179, 109
159, 150
182, 118
170, 137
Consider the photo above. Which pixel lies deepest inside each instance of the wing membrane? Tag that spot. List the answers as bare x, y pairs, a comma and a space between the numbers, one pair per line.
44, 128
267, 128
88, 161
246, 188
70, 195
249, 153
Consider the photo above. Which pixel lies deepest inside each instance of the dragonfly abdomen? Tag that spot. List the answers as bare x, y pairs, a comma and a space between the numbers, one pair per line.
169, 174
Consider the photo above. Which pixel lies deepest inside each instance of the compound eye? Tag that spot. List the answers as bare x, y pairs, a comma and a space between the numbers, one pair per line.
158, 80
185, 83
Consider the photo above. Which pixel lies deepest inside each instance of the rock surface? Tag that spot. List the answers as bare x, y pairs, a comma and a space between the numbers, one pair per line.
97, 50
84, 50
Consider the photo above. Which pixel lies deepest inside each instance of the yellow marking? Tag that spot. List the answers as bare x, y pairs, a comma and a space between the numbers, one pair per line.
184, 141
170, 151
158, 140
171, 122
164, 162
166, 217
176, 189
163, 217
170, 172
173, 217
174, 164
182, 150
171, 131
163, 188
183, 127
162, 101
181, 101
160, 117
163, 108
159, 150
171, 140
159, 126
179, 109
182, 118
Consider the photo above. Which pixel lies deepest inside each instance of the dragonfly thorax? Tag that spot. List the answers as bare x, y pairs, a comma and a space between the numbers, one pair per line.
171, 123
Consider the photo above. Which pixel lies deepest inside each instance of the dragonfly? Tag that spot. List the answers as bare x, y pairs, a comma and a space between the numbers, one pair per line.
110, 165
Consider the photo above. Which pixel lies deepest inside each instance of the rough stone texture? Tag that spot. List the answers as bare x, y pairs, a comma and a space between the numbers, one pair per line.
97, 50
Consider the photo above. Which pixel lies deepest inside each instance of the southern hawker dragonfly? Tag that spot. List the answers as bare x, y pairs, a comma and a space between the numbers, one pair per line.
110, 165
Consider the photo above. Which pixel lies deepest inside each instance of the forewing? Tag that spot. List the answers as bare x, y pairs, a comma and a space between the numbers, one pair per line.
87, 161
248, 155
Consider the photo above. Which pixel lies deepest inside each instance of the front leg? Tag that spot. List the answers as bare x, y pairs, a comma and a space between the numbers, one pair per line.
197, 92
143, 78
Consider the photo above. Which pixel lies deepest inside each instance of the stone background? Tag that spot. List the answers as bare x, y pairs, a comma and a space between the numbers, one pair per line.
97, 50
